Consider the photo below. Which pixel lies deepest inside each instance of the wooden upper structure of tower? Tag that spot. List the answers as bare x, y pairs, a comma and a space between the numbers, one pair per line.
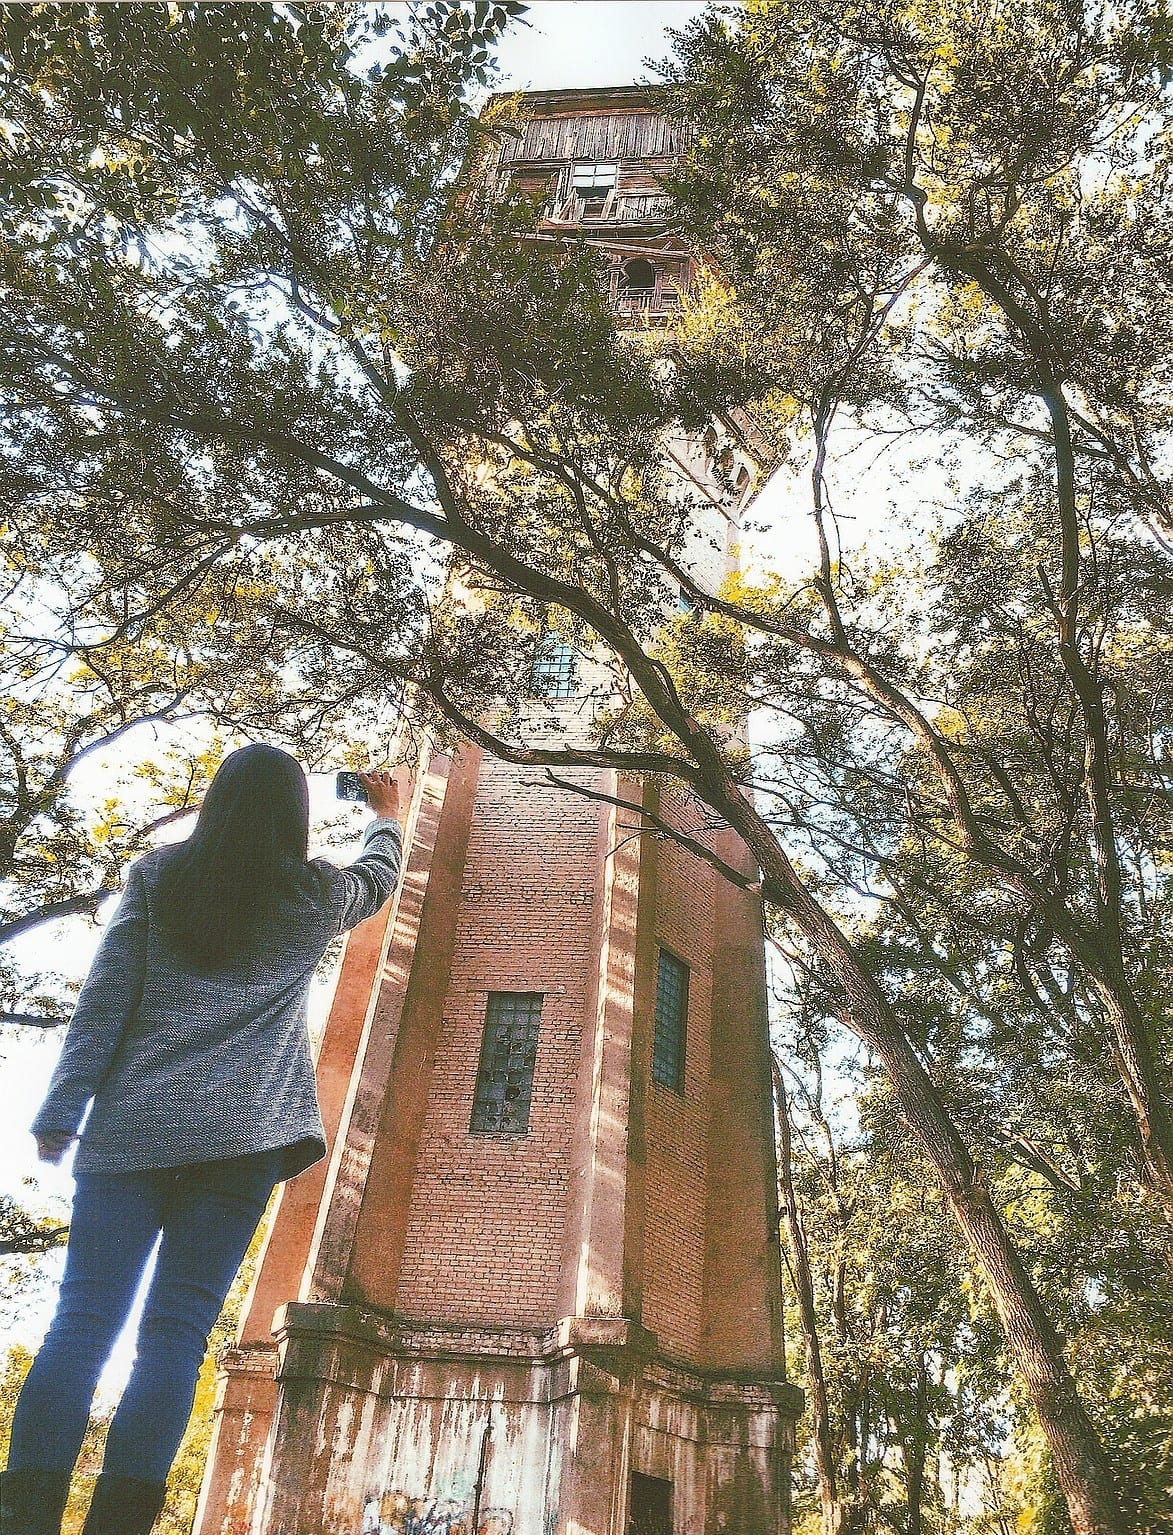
534, 1289
592, 161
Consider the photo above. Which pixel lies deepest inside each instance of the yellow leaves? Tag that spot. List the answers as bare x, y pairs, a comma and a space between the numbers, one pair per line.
110, 826
709, 313
946, 52
762, 593
951, 723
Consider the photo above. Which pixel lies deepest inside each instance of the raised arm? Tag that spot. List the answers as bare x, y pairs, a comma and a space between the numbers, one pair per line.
370, 881
112, 991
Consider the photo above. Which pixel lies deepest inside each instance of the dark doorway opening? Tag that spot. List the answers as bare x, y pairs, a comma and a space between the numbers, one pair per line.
639, 274
651, 1506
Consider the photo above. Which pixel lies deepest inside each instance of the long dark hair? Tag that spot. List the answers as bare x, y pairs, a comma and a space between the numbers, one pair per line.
247, 847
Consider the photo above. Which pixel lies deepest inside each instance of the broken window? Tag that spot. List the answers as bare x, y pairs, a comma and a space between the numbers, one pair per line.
505, 1076
593, 185
671, 1026
639, 276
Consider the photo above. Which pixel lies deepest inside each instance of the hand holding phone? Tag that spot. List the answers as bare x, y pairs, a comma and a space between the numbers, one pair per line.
378, 790
382, 793
348, 786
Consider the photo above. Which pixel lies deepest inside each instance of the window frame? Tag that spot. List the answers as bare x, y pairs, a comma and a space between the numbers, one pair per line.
491, 1073
588, 175
566, 657
676, 1083
593, 184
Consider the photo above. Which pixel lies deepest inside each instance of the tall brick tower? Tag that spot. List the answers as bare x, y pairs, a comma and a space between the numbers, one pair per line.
535, 1288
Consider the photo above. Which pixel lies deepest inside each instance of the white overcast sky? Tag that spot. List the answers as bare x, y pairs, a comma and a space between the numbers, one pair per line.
590, 42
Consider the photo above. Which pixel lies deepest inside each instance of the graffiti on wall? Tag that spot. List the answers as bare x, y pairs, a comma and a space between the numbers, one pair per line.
398, 1513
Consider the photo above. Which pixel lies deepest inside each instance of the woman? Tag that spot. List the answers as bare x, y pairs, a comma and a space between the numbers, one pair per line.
189, 1037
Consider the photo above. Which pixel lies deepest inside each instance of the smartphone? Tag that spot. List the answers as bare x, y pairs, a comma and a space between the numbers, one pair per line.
347, 786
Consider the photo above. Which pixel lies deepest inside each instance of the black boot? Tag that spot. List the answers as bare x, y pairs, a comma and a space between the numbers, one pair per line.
32, 1501
122, 1505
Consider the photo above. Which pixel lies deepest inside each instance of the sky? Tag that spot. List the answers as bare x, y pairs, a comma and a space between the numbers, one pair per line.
564, 43
590, 42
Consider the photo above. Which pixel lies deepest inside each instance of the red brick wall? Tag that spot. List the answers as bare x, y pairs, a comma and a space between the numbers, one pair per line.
677, 1128
485, 1232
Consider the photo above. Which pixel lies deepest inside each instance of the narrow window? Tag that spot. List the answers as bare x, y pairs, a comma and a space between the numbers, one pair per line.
555, 670
505, 1077
668, 1038
651, 1505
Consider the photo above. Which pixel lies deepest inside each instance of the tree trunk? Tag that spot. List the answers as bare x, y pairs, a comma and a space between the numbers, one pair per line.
1081, 1466
832, 1511
915, 1450
1137, 1065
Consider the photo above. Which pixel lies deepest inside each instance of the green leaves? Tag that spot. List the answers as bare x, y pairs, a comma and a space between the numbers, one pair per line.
945, 226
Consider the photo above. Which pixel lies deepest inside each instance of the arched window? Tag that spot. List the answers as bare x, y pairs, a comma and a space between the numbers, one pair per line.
639, 276
555, 670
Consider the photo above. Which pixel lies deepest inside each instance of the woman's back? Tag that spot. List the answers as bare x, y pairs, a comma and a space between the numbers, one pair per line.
188, 1061
189, 1036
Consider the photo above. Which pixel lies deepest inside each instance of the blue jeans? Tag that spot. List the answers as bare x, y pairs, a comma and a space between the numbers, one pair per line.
207, 1214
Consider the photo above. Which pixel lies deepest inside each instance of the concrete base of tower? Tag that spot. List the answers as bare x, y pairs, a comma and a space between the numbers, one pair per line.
387, 1427
246, 1399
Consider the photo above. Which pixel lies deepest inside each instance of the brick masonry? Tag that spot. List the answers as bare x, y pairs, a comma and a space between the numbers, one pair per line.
439, 1254
488, 1212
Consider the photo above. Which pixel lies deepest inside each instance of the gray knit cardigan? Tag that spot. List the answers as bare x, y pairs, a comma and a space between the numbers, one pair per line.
187, 1065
